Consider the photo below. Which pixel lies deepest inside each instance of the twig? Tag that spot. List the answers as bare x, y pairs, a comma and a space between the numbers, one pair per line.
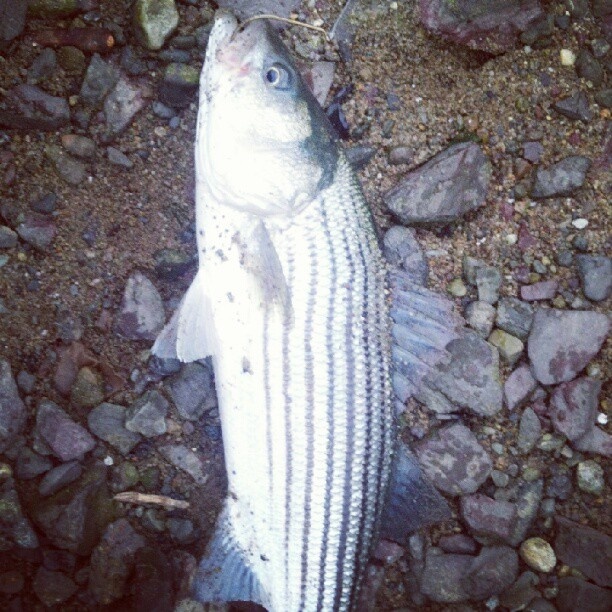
134, 497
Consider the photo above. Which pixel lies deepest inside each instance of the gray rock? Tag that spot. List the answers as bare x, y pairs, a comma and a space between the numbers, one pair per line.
30, 464
471, 378
530, 429
68, 440
30, 108
42, 67
562, 178
453, 460
100, 78
142, 313
60, 476
590, 477
585, 549
147, 415
595, 441
179, 85
79, 146
573, 407
118, 158
514, 317
402, 250
154, 21
360, 156
443, 189
170, 264
87, 390
533, 151
488, 282
491, 572
596, 276
488, 519
14, 525
13, 412
544, 290
401, 155
480, 317
604, 97
562, 343
107, 423
510, 347
8, 238
121, 106
37, 230
247, 8
53, 588
528, 497
575, 107
518, 596
442, 577
488, 26
181, 530
193, 391
458, 543
587, 67
12, 20
186, 460
470, 266
577, 594
68, 168
112, 561
26, 381
518, 387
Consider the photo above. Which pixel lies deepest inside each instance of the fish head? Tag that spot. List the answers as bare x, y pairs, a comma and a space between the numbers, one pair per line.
263, 144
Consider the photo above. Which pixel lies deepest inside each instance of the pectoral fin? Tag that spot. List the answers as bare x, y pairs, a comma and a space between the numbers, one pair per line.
188, 334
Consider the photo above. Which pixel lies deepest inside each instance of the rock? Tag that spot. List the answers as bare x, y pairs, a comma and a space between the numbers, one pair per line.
45, 205
170, 264
179, 85
65, 438
30, 464
562, 343
487, 518
53, 588
247, 8
528, 497
559, 484
186, 460
518, 387
458, 543
193, 391
595, 441
573, 407
488, 282
585, 549
442, 577
457, 288
117, 158
590, 476
12, 20
155, 21
487, 26
443, 189
57, 9
68, 169
106, 422
121, 106
587, 67
514, 317
533, 151
401, 248
8, 238
538, 33
454, 461
26, 381
72, 60
112, 561
320, 78
574, 107
596, 276
544, 290
562, 178
142, 313
360, 156
30, 108
530, 429
42, 67
147, 415
471, 378
480, 317
491, 572
510, 348
153, 577
88, 389
181, 530
99, 79
538, 555
604, 97
125, 476
13, 412
37, 230
59, 477
14, 525
576, 594
401, 155
518, 596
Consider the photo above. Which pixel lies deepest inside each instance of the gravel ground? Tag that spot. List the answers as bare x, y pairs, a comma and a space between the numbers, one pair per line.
68, 330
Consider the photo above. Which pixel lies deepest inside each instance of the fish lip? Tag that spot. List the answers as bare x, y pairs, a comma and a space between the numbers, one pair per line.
224, 27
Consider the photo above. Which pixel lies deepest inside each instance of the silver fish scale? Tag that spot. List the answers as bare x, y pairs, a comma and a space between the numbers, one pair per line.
307, 483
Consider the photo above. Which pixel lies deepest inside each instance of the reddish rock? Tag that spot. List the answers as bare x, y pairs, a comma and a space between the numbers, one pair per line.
573, 407
545, 290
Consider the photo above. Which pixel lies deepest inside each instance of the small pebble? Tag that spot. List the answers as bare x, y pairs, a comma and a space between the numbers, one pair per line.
580, 223
590, 477
538, 555
457, 288
568, 57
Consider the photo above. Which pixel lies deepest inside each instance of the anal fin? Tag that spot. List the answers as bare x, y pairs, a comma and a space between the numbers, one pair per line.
224, 574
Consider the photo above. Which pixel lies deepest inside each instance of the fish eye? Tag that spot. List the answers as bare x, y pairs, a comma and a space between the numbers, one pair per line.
278, 76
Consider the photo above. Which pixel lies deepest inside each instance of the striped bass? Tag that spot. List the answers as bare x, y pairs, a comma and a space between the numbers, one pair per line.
292, 301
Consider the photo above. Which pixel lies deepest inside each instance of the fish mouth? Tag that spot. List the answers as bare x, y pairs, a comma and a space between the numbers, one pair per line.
224, 27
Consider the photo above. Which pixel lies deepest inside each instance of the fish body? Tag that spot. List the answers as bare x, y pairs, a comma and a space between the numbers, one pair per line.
291, 300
